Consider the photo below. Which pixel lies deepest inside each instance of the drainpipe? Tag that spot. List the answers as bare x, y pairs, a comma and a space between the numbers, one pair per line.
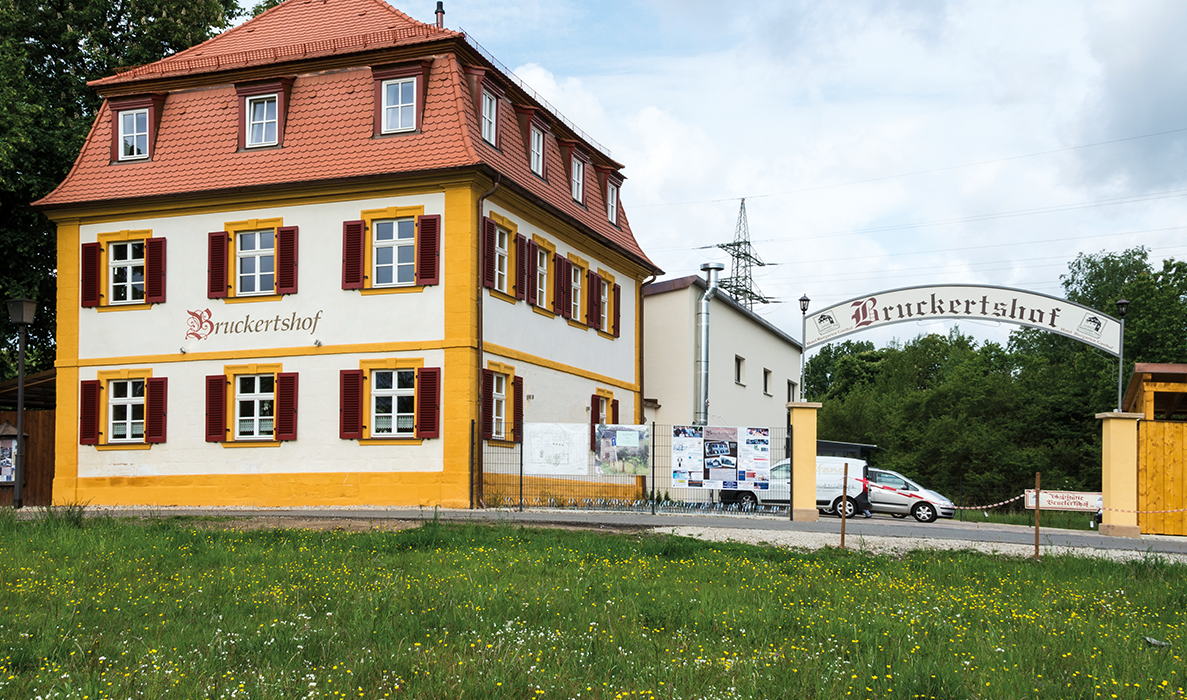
701, 412
481, 351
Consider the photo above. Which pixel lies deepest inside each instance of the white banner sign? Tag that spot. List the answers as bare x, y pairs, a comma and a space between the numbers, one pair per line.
965, 301
1066, 500
556, 448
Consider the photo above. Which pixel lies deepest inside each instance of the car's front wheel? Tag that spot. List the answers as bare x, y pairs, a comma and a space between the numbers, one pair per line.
924, 512
747, 499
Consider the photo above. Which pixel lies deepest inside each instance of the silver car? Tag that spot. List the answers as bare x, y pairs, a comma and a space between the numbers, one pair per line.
891, 492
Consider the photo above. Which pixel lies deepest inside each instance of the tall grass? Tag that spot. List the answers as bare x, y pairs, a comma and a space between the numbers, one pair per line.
118, 609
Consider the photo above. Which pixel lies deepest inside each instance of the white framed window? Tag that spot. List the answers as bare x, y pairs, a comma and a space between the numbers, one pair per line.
261, 121
502, 237
393, 402
578, 175
490, 115
256, 253
542, 256
739, 369
766, 381
399, 105
125, 272
255, 406
603, 410
394, 252
538, 151
612, 202
125, 410
575, 296
499, 404
133, 134
604, 295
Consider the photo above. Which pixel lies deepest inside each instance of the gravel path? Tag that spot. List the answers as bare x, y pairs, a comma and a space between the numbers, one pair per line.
893, 545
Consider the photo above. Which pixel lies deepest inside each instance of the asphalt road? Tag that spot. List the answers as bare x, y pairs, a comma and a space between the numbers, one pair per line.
879, 525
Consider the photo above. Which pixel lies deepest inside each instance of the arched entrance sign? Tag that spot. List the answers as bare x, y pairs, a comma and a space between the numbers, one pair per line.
958, 301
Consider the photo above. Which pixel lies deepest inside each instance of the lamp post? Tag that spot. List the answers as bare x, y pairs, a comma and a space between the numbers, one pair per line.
20, 314
804, 301
1122, 307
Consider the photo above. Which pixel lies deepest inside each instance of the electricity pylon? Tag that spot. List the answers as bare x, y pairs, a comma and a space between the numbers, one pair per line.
740, 283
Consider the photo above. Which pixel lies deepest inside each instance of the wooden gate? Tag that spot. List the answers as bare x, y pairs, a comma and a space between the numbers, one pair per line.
1162, 449
39, 458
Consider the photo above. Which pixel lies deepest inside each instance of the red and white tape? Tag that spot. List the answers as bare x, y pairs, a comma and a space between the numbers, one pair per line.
1122, 510
995, 505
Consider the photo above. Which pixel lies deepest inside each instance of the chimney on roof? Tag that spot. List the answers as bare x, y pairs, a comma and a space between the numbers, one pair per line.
440, 14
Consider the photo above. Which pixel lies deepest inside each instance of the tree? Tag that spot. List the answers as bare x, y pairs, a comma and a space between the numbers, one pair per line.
49, 49
820, 371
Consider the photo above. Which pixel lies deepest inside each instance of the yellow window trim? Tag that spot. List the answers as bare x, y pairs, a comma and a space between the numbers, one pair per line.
605, 393
502, 443
609, 281
233, 229
508, 400
118, 446
252, 300
501, 296
578, 324
550, 291
105, 378
370, 215
105, 239
606, 335
367, 366
391, 290
543, 312
512, 234
583, 302
230, 372
501, 368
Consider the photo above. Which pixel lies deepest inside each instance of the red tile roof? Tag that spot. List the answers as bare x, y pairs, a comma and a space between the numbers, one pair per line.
293, 30
328, 132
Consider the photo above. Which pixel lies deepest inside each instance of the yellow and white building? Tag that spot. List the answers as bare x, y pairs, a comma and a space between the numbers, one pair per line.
298, 263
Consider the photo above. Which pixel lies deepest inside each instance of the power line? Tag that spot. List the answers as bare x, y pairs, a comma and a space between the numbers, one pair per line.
929, 171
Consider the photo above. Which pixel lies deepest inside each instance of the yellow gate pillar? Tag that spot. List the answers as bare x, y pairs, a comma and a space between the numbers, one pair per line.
802, 417
1119, 473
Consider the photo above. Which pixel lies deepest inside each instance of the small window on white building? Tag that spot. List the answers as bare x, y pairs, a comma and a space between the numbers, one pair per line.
740, 370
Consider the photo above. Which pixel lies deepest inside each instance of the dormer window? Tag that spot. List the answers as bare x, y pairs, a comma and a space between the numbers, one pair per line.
577, 174
612, 202
261, 121
400, 91
134, 121
537, 151
133, 134
399, 105
263, 108
490, 117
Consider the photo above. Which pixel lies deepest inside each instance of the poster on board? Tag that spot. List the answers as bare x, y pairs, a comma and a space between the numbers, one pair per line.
719, 457
623, 449
556, 448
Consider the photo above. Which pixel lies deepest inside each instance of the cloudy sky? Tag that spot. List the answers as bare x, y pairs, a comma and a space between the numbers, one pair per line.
878, 143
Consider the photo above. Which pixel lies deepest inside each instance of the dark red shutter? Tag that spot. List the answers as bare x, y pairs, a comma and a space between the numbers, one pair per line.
614, 411
533, 272
354, 239
154, 270
521, 267
488, 404
286, 406
595, 417
91, 273
593, 310
558, 284
488, 252
156, 402
517, 408
216, 265
286, 260
88, 414
216, 408
350, 404
617, 310
428, 248
428, 402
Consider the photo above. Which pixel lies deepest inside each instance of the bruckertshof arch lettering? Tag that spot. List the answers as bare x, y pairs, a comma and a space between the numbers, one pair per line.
1002, 304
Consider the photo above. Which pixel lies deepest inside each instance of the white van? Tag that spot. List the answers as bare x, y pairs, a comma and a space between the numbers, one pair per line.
889, 492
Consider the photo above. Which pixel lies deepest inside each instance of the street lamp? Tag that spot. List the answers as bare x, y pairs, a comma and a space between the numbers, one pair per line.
804, 301
1122, 307
20, 314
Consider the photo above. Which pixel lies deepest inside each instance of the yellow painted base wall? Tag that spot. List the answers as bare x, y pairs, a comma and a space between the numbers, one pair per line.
271, 490
544, 491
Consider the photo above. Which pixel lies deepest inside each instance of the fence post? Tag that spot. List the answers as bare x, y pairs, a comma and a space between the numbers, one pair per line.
844, 501
519, 434
1038, 509
471, 464
653, 439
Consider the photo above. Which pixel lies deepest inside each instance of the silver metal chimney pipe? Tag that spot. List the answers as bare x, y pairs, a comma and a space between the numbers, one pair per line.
701, 413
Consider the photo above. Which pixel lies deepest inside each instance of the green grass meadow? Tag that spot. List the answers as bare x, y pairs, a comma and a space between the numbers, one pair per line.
106, 608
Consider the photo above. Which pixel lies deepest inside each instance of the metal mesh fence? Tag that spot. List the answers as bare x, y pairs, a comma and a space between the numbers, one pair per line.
506, 483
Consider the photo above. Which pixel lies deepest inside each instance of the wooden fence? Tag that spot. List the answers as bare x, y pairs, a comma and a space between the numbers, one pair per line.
1162, 476
39, 458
